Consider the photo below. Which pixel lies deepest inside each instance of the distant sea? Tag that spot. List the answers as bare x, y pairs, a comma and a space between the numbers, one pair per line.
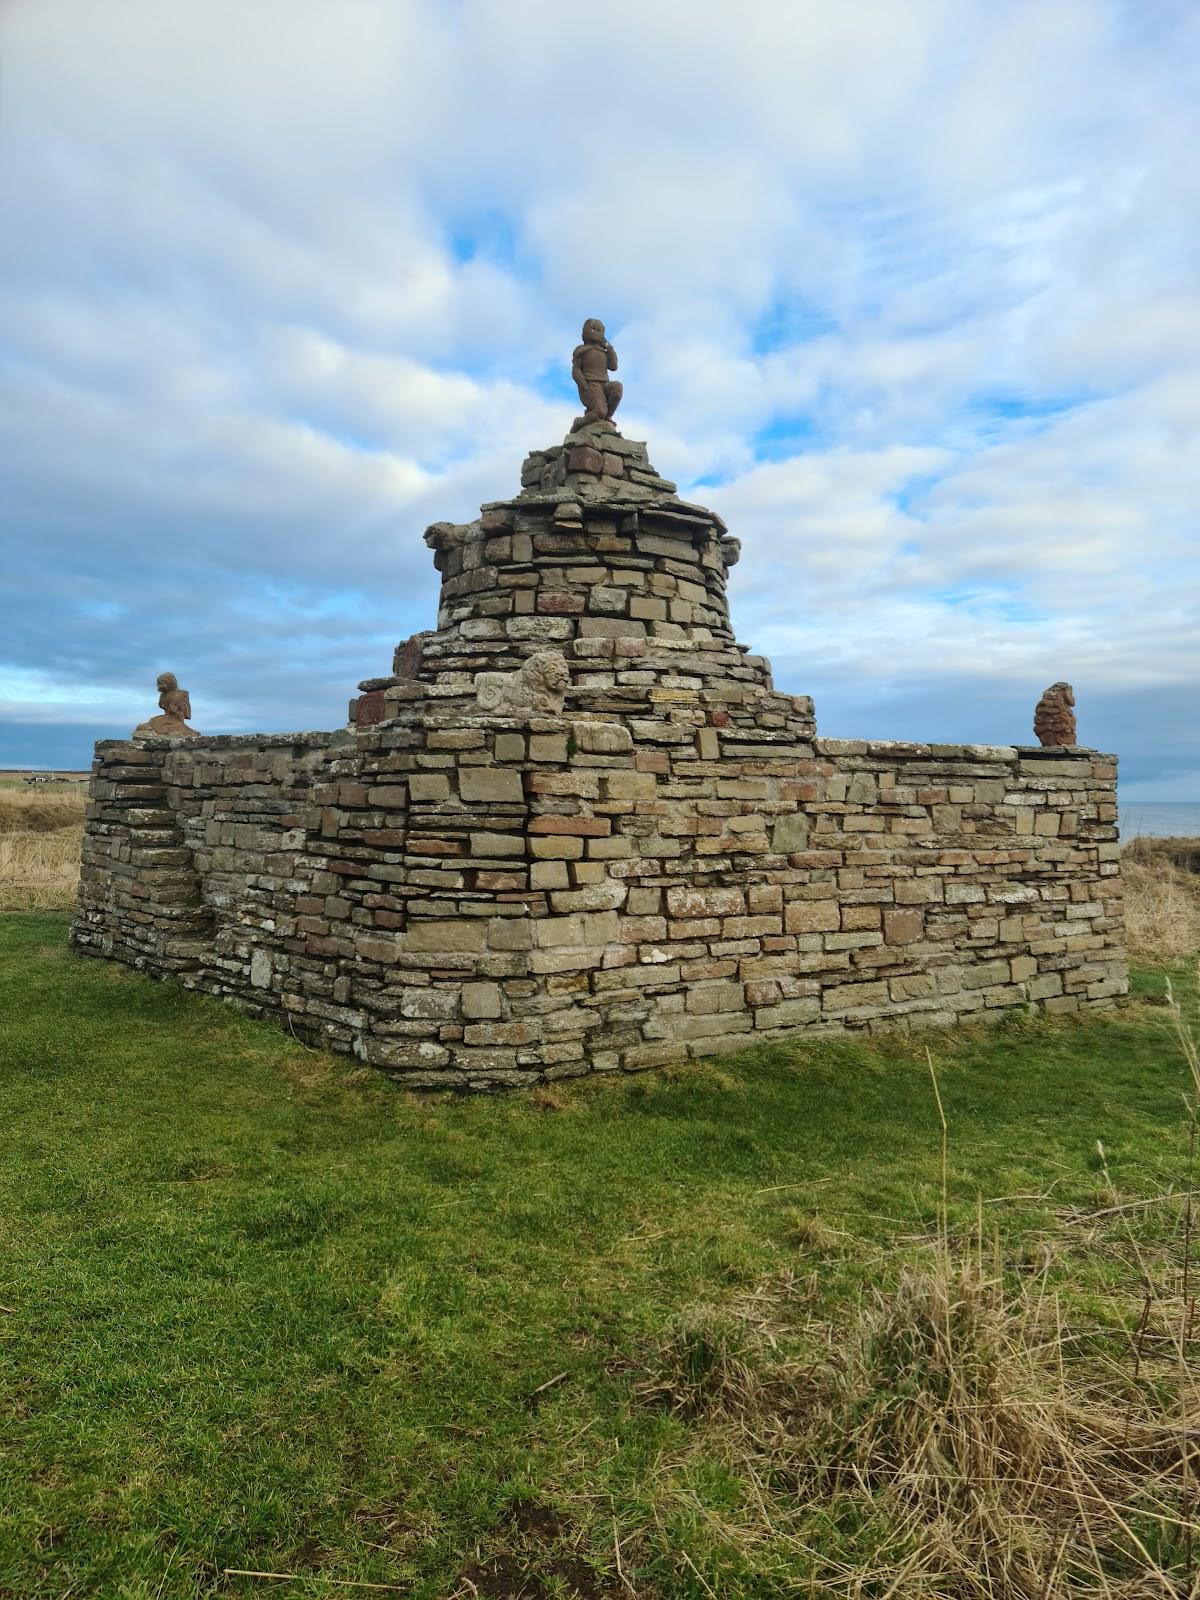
1160, 819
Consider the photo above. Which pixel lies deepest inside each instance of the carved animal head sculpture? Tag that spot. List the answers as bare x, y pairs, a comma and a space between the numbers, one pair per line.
549, 677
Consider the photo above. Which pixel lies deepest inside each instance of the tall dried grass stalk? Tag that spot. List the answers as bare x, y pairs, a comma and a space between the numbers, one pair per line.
936, 1447
40, 839
39, 871
35, 811
1162, 908
945, 1443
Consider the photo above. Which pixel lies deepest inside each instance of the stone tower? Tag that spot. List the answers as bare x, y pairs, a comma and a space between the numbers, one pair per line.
598, 559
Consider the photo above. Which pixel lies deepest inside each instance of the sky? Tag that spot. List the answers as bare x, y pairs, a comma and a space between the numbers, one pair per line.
907, 290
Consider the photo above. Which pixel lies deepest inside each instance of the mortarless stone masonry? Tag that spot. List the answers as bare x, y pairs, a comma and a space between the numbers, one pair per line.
674, 865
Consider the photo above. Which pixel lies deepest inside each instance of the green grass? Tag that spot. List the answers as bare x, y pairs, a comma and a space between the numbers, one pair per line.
264, 1310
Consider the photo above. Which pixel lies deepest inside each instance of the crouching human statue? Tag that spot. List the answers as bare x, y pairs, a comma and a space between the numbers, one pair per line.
176, 706
591, 363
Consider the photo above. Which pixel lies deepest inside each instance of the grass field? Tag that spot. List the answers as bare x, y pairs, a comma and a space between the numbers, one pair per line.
263, 1311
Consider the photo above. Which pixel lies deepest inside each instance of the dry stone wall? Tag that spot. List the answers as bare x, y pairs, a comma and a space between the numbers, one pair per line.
675, 865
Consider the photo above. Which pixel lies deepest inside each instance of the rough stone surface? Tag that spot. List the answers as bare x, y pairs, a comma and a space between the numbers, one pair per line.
1054, 716
673, 865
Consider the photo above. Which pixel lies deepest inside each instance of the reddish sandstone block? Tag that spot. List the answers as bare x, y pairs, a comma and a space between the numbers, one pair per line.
707, 967
903, 927
582, 458
574, 827
684, 902
369, 709
764, 897
559, 602
812, 916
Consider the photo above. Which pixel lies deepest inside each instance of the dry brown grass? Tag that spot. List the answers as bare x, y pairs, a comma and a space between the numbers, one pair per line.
940, 1445
1162, 901
947, 1440
40, 837
1180, 852
39, 871
37, 811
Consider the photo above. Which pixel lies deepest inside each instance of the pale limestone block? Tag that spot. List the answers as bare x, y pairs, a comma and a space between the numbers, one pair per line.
434, 933
601, 738
490, 785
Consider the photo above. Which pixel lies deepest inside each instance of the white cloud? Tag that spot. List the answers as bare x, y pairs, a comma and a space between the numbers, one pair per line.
912, 282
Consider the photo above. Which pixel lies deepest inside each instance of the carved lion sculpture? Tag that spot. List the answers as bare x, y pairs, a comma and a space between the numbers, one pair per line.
539, 684
1054, 718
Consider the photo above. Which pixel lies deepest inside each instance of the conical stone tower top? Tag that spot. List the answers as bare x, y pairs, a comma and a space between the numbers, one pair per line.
597, 560
594, 462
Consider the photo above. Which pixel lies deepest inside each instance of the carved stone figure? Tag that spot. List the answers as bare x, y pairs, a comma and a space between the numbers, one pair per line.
176, 707
444, 538
538, 685
410, 653
452, 535
1054, 718
731, 550
591, 364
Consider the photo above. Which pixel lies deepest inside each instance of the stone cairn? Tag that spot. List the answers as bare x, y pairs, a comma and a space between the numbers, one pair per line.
577, 829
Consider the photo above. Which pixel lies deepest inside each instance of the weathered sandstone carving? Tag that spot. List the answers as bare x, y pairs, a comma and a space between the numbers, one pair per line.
591, 363
409, 654
176, 708
444, 538
539, 685
1054, 718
